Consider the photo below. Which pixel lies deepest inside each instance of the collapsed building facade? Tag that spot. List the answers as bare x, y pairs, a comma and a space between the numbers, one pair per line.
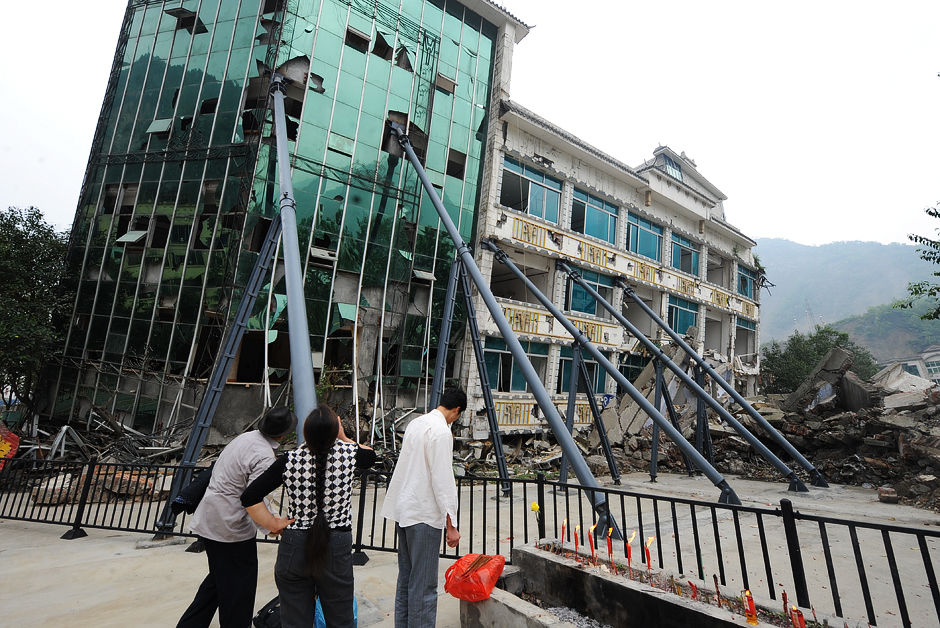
659, 228
181, 186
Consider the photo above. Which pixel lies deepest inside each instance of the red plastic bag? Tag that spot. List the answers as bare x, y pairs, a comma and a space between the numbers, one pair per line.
473, 576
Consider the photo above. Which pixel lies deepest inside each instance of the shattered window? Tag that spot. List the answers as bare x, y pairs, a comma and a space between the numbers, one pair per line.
593, 216
501, 369
682, 314
644, 237
528, 190
631, 366
933, 369
746, 280
596, 374
746, 324
684, 254
579, 300
673, 169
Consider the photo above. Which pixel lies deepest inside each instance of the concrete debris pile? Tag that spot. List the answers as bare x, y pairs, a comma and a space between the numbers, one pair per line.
880, 433
105, 485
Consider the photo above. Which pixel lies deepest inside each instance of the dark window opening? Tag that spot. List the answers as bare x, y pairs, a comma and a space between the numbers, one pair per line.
161, 232
418, 138
210, 199
185, 123
445, 84
357, 40
291, 128
316, 83
258, 234
456, 163
270, 6
514, 192
577, 216
381, 47
250, 124
402, 59
187, 19
208, 105
110, 198
176, 94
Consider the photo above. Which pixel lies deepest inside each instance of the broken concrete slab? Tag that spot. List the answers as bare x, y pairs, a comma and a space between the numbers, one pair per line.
829, 370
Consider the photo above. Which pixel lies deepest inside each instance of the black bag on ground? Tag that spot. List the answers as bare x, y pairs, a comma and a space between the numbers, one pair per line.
269, 616
192, 494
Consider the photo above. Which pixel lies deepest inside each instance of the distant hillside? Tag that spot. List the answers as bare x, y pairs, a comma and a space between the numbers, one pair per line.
817, 285
891, 333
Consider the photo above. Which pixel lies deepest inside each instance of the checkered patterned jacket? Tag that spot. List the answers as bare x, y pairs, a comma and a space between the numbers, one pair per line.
300, 481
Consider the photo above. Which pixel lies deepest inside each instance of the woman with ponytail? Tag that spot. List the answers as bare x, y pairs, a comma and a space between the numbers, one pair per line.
314, 556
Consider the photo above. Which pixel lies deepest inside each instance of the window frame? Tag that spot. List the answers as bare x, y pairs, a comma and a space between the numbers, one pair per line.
747, 281
597, 281
682, 244
496, 349
677, 305
592, 204
637, 226
546, 183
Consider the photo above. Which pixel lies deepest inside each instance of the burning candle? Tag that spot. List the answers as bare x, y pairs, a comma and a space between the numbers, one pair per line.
649, 541
630, 553
564, 524
796, 617
786, 608
577, 533
694, 590
750, 611
591, 541
610, 549
717, 590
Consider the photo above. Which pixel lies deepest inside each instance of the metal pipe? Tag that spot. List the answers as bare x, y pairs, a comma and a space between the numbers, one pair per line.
301, 358
542, 397
815, 475
450, 297
727, 493
795, 483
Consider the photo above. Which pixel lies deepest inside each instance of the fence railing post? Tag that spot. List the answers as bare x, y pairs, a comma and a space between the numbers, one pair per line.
76, 532
359, 557
540, 493
796, 556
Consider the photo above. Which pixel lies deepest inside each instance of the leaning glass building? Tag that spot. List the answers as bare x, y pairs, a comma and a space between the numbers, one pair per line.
181, 185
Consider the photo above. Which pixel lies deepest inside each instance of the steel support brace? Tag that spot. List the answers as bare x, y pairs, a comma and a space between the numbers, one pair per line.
598, 498
795, 483
450, 297
488, 404
301, 359
599, 425
572, 405
727, 493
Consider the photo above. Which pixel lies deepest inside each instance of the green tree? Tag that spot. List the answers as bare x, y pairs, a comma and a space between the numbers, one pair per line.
33, 300
785, 366
929, 251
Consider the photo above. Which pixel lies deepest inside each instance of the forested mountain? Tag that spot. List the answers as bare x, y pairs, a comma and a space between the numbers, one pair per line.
818, 285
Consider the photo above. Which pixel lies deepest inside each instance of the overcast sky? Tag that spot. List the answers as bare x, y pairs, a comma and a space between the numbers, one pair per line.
819, 120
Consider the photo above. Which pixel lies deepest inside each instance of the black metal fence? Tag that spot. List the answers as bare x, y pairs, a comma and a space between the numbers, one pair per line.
870, 572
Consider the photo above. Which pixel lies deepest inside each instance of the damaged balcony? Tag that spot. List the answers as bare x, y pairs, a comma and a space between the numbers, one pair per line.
538, 236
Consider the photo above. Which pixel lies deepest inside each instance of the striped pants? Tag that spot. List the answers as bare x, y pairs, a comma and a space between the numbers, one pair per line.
419, 548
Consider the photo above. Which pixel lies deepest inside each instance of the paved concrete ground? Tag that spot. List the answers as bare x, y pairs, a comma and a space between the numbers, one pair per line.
110, 579
120, 579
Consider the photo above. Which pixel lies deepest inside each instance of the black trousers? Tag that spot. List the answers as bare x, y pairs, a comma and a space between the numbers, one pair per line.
299, 591
229, 587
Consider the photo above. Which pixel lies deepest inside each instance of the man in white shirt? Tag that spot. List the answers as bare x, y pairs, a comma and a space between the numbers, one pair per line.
227, 530
422, 500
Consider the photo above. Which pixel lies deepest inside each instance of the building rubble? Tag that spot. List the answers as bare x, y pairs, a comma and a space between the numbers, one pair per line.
880, 433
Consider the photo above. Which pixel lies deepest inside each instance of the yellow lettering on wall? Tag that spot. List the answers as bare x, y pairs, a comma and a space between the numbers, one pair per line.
594, 254
720, 298
748, 309
686, 286
644, 272
522, 321
528, 232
